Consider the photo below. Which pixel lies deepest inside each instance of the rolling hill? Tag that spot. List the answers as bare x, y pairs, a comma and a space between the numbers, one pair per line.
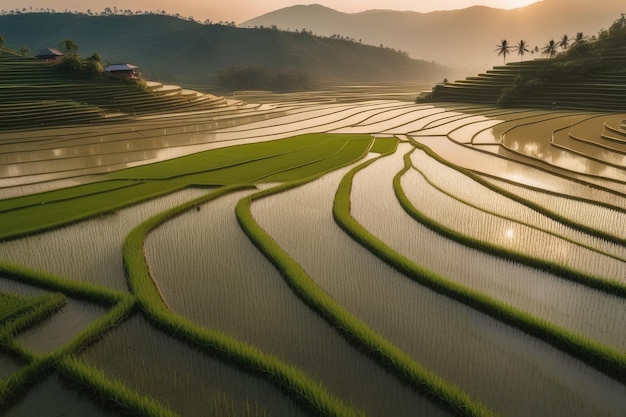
191, 54
463, 39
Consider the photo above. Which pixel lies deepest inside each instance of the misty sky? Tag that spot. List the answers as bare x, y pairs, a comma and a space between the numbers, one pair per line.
242, 10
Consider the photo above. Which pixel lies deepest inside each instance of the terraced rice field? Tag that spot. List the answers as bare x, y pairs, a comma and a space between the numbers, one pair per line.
334, 255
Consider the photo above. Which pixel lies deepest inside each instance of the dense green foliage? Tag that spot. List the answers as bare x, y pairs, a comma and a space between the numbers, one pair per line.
255, 77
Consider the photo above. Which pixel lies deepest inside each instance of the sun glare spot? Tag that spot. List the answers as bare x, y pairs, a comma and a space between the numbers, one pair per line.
509, 234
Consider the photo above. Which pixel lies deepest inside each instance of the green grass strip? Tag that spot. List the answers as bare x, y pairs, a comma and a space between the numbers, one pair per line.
308, 393
98, 328
39, 309
284, 167
607, 360
12, 305
352, 149
47, 280
43, 217
600, 284
114, 394
18, 382
39, 365
64, 194
222, 158
381, 349
287, 159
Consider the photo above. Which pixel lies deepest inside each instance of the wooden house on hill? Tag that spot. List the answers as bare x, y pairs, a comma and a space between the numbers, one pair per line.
123, 70
50, 55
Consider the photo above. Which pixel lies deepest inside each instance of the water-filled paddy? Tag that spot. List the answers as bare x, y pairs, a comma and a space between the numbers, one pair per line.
177, 375
53, 397
606, 219
8, 364
209, 272
196, 260
54, 332
89, 251
556, 300
520, 230
461, 345
495, 162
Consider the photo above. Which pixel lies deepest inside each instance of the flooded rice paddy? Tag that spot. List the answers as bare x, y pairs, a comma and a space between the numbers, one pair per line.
451, 336
557, 194
250, 301
185, 380
53, 397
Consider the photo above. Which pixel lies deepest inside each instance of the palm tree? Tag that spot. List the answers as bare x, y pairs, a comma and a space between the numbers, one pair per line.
522, 49
564, 42
579, 38
550, 49
503, 49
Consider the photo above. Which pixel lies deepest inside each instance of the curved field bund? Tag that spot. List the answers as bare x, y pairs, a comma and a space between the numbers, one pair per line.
316, 258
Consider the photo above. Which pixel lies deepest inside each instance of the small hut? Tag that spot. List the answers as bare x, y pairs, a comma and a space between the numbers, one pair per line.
50, 55
122, 70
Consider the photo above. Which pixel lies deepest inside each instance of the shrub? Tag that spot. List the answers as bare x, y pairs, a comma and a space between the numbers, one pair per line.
71, 64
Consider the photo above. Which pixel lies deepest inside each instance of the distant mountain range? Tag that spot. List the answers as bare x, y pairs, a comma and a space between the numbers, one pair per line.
191, 54
465, 39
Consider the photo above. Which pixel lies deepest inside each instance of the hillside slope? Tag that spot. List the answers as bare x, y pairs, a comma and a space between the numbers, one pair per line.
35, 94
191, 54
590, 75
463, 39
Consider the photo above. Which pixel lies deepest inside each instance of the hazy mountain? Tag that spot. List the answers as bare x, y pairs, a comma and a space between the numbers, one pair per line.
176, 50
464, 39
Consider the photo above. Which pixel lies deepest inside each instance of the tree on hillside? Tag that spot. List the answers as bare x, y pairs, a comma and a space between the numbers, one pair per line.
503, 49
550, 49
24, 51
2, 42
95, 57
564, 42
92, 67
70, 47
522, 49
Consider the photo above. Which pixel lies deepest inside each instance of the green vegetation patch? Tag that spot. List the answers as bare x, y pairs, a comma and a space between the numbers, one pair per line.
12, 305
219, 165
45, 216
62, 194
288, 159
385, 145
352, 149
